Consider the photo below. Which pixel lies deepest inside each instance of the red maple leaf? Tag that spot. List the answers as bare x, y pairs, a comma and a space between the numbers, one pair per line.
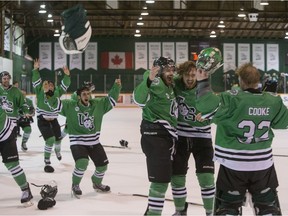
117, 60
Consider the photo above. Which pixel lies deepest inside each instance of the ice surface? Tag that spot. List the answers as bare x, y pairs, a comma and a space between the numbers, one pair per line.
126, 174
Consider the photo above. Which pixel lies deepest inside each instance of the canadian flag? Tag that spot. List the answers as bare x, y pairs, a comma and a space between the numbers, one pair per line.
117, 60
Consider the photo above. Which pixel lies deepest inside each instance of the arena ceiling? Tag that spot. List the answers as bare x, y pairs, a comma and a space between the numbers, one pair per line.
178, 18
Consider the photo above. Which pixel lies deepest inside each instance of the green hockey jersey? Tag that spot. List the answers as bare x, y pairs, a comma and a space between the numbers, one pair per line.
6, 125
12, 101
245, 120
42, 109
187, 125
84, 122
158, 103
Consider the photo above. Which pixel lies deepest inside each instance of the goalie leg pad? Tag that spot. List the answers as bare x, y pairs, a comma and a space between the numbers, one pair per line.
266, 202
228, 203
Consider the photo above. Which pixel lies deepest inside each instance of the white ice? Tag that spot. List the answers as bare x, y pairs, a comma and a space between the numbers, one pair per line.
126, 174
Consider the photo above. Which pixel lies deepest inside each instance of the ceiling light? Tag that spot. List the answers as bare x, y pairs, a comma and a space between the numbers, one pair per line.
56, 31
50, 20
213, 34
137, 31
221, 24
49, 16
144, 14
150, 1
42, 11
144, 8
140, 23
43, 6
137, 35
264, 3
140, 18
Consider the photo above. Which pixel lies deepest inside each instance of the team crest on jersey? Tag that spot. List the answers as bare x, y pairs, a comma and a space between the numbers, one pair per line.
86, 121
233, 91
77, 109
156, 81
187, 112
6, 105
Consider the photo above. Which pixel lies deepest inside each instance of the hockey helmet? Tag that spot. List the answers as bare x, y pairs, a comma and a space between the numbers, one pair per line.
209, 60
270, 86
76, 31
89, 84
163, 62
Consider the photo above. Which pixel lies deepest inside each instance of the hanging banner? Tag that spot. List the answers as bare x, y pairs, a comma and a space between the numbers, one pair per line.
181, 52
141, 58
91, 56
75, 61
272, 62
168, 50
154, 52
45, 56
243, 53
258, 54
60, 58
229, 57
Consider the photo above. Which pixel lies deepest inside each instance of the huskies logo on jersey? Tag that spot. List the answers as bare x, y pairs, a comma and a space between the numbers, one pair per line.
86, 121
187, 112
6, 105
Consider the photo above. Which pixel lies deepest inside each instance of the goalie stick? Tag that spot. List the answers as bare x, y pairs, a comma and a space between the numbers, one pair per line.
145, 196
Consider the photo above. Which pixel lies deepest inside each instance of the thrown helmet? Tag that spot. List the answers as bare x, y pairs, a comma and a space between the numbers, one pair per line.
270, 86
163, 62
90, 85
48, 191
209, 60
76, 31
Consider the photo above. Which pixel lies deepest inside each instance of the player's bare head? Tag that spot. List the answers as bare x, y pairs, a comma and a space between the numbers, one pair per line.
249, 76
84, 95
187, 71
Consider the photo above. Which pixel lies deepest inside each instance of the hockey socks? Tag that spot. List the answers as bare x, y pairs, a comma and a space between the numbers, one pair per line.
179, 191
17, 173
206, 182
156, 198
26, 135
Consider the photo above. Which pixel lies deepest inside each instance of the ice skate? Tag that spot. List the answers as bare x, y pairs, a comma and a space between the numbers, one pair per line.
58, 155
101, 188
26, 198
24, 147
76, 191
182, 212
48, 168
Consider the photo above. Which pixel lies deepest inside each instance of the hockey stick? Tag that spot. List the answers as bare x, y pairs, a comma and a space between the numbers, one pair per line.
60, 127
145, 196
279, 155
120, 147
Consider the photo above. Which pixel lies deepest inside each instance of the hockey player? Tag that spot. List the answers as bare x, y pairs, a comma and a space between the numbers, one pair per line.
8, 147
25, 121
158, 128
74, 96
84, 118
244, 135
193, 137
12, 96
47, 118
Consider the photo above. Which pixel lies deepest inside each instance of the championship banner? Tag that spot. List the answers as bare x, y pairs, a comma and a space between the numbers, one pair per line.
117, 60
75, 61
181, 52
45, 56
168, 50
60, 58
141, 58
229, 57
154, 52
91, 56
272, 62
243, 53
258, 56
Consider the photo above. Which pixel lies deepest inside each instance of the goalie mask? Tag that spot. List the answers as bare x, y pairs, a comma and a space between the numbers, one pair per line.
209, 60
163, 62
76, 31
